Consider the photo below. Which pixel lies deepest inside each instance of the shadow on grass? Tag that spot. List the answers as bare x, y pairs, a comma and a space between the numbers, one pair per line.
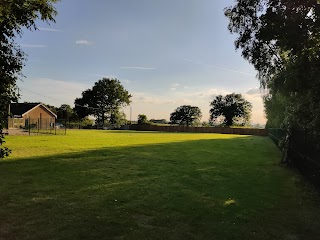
204, 189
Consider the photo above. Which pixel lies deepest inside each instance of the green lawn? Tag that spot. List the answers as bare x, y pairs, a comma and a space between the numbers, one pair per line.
139, 185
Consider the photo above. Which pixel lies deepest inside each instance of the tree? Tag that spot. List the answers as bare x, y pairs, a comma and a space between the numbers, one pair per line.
52, 108
103, 101
186, 115
281, 38
81, 107
66, 112
118, 118
230, 107
14, 16
142, 119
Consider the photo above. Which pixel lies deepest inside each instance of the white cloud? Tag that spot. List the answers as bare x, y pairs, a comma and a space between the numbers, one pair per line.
84, 42
259, 91
258, 114
51, 91
49, 29
229, 69
187, 60
32, 45
207, 94
141, 97
174, 86
104, 76
254, 91
138, 68
123, 81
126, 81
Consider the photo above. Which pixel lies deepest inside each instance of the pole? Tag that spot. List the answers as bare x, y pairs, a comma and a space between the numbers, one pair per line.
130, 115
29, 126
50, 125
9, 116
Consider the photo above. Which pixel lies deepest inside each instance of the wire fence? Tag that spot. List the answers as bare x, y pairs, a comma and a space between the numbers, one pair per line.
46, 126
38, 125
303, 151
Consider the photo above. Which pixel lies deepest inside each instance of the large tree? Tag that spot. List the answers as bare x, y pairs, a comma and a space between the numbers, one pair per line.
142, 119
66, 112
103, 101
14, 16
281, 38
230, 107
186, 115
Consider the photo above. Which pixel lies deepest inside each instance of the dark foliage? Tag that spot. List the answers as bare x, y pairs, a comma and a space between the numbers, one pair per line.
103, 101
186, 115
281, 38
14, 16
230, 107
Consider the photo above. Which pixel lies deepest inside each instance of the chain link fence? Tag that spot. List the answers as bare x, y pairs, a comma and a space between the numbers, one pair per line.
46, 126
38, 125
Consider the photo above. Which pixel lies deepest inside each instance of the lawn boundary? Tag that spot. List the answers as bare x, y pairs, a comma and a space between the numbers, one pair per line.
223, 130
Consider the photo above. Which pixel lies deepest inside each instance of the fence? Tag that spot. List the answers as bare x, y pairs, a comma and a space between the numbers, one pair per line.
303, 151
80, 124
46, 126
224, 130
38, 125
16, 123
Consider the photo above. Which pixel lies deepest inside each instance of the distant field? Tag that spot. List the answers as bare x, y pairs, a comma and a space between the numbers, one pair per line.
141, 185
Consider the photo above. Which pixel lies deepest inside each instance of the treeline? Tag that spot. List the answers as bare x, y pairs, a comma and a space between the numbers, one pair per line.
228, 110
106, 98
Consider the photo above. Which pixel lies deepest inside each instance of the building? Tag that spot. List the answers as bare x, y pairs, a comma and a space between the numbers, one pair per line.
35, 115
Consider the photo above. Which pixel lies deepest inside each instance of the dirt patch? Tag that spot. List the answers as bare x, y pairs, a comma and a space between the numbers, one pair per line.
15, 132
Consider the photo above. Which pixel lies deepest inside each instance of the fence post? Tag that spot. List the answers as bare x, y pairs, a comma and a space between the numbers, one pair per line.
65, 127
38, 125
29, 126
50, 125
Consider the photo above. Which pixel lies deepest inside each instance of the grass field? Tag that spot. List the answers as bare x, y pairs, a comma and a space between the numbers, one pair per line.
139, 185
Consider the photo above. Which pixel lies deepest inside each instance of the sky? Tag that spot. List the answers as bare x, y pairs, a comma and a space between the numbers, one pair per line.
165, 53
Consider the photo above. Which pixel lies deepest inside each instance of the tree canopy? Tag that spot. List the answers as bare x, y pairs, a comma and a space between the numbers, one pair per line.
186, 115
103, 101
281, 38
142, 119
14, 16
231, 106
65, 111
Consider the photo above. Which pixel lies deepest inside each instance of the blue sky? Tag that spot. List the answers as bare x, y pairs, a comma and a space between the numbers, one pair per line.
165, 53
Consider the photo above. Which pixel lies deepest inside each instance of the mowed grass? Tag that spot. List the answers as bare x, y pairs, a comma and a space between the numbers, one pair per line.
139, 185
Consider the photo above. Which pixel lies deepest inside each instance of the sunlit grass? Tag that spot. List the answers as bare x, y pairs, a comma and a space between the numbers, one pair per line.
139, 185
230, 202
79, 140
